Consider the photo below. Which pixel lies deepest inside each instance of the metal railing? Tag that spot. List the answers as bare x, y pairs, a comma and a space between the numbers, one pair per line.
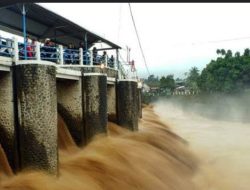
71, 56
49, 53
30, 51
6, 47
57, 54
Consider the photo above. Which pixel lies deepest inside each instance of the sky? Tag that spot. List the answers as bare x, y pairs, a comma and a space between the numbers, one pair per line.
174, 36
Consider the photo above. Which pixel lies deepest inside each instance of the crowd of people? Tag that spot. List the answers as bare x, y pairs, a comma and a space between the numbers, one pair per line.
49, 52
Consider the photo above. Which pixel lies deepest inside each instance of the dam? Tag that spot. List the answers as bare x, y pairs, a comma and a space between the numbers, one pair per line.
40, 80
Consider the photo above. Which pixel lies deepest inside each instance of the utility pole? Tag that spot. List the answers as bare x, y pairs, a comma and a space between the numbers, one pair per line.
24, 32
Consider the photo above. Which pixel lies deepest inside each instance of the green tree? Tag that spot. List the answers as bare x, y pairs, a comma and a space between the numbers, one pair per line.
247, 52
223, 52
229, 54
227, 75
167, 82
218, 51
152, 81
193, 79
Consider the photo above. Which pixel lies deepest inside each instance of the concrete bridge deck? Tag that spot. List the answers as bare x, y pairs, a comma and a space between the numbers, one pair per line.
68, 72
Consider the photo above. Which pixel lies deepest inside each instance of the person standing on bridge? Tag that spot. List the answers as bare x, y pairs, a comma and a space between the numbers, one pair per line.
111, 61
103, 58
28, 48
95, 62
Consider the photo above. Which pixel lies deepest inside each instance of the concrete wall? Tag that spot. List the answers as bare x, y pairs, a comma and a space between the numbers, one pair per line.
127, 104
7, 129
95, 104
95, 69
69, 99
111, 95
37, 108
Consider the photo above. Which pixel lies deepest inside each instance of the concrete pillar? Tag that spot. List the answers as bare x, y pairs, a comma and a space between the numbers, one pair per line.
111, 93
127, 104
139, 102
69, 104
7, 129
94, 103
37, 115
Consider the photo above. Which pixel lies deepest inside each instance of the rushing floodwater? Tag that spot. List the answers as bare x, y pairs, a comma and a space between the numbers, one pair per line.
223, 147
153, 158
201, 154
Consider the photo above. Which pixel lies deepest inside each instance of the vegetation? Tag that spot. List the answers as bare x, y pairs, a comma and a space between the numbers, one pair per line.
193, 79
227, 74
152, 81
167, 82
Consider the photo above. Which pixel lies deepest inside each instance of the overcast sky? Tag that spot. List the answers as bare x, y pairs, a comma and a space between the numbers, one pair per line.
174, 36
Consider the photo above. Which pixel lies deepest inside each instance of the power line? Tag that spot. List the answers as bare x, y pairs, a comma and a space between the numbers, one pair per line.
226, 40
218, 41
138, 39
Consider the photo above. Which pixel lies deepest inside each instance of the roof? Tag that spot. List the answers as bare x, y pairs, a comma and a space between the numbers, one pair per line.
180, 87
43, 23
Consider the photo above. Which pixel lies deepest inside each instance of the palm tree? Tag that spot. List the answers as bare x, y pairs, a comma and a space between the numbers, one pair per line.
223, 52
237, 54
229, 53
218, 51
247, 52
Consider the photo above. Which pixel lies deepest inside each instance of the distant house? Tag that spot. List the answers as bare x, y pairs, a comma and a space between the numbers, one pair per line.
180, 83
180, 89
154, 89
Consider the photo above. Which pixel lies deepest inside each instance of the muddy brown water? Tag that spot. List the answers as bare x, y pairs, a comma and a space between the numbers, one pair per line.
223, 147
170, 152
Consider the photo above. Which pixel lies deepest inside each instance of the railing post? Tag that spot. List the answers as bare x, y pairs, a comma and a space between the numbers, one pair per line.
91, 58
117, 64
61, 54
38, 51
119, 69
80, 56
15, 50
8, 43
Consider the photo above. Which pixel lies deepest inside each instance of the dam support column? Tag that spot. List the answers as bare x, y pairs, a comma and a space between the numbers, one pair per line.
139, 102
94, 103
7, 129
127, 104
37, 115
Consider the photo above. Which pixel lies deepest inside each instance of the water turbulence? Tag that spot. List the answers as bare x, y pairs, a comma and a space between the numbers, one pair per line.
152, 158
222, 146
